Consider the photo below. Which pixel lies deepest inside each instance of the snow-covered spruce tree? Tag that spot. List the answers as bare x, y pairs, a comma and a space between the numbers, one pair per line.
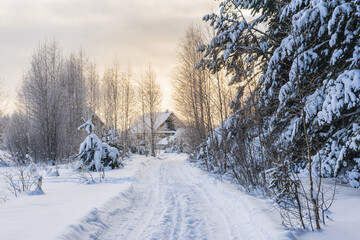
243, 49
313, 79
94, 155
90, 152
111, 157
339, 117
312, 84
112, 140
304, 108
151, 96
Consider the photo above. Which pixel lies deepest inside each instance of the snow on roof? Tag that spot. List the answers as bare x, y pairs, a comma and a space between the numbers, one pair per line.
160, 118
164, 141
177, 135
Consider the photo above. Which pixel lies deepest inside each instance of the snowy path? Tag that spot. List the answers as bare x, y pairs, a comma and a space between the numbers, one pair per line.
173, 200
153, 198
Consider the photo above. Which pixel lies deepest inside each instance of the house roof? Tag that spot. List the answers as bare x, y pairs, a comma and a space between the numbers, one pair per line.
160, 118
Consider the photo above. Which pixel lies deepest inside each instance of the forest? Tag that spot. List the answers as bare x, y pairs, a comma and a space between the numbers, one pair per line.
269, 92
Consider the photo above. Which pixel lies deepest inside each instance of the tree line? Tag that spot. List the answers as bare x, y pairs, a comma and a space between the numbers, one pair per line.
201, 98
59, 89
295, 110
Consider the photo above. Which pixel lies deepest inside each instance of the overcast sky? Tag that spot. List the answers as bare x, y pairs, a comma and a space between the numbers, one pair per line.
134, 31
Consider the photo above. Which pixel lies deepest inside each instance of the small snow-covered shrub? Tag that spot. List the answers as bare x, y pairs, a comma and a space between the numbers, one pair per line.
51, 173
38, 190
111, 156
21, 178
5, 159
94, 155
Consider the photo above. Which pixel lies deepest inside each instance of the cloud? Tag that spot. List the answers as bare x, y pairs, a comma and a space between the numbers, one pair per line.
133, 31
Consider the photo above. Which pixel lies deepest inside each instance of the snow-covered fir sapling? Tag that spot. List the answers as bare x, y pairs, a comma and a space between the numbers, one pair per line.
90, 152
95, 155
113, 146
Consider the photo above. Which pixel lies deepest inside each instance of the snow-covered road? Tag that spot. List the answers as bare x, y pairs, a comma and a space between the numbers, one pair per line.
156, 198
172, 200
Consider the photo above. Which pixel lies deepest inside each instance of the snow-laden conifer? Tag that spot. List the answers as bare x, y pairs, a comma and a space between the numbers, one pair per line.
314, 75
94, 155
90, 152
298, 103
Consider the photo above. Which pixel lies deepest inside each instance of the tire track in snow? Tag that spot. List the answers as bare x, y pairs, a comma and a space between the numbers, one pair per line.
173, 201
130, 224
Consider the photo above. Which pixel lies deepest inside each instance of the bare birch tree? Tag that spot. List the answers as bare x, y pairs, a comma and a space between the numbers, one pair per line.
110, 95
52, 99
43, 98
190, 83
127, 105
93, 89
76, 67
151, 96
201, 98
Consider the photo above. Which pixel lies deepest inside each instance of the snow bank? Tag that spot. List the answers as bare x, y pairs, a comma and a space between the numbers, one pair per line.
65, 203
344, 216
95, 222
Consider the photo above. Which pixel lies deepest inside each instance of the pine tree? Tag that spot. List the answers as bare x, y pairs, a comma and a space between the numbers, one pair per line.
243, 49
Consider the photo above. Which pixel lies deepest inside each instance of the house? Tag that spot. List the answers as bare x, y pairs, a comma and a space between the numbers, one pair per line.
166, 125
100, 127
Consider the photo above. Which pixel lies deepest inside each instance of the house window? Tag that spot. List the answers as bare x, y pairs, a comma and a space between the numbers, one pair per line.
170, 125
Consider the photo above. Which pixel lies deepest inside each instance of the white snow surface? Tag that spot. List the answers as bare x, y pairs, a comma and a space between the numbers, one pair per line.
65, 202
173, 200
151, 198
343, 218
157, 198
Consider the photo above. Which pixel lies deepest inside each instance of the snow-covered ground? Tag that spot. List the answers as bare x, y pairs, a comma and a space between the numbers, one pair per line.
344, 217
173, 200
65, 202
157, 198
